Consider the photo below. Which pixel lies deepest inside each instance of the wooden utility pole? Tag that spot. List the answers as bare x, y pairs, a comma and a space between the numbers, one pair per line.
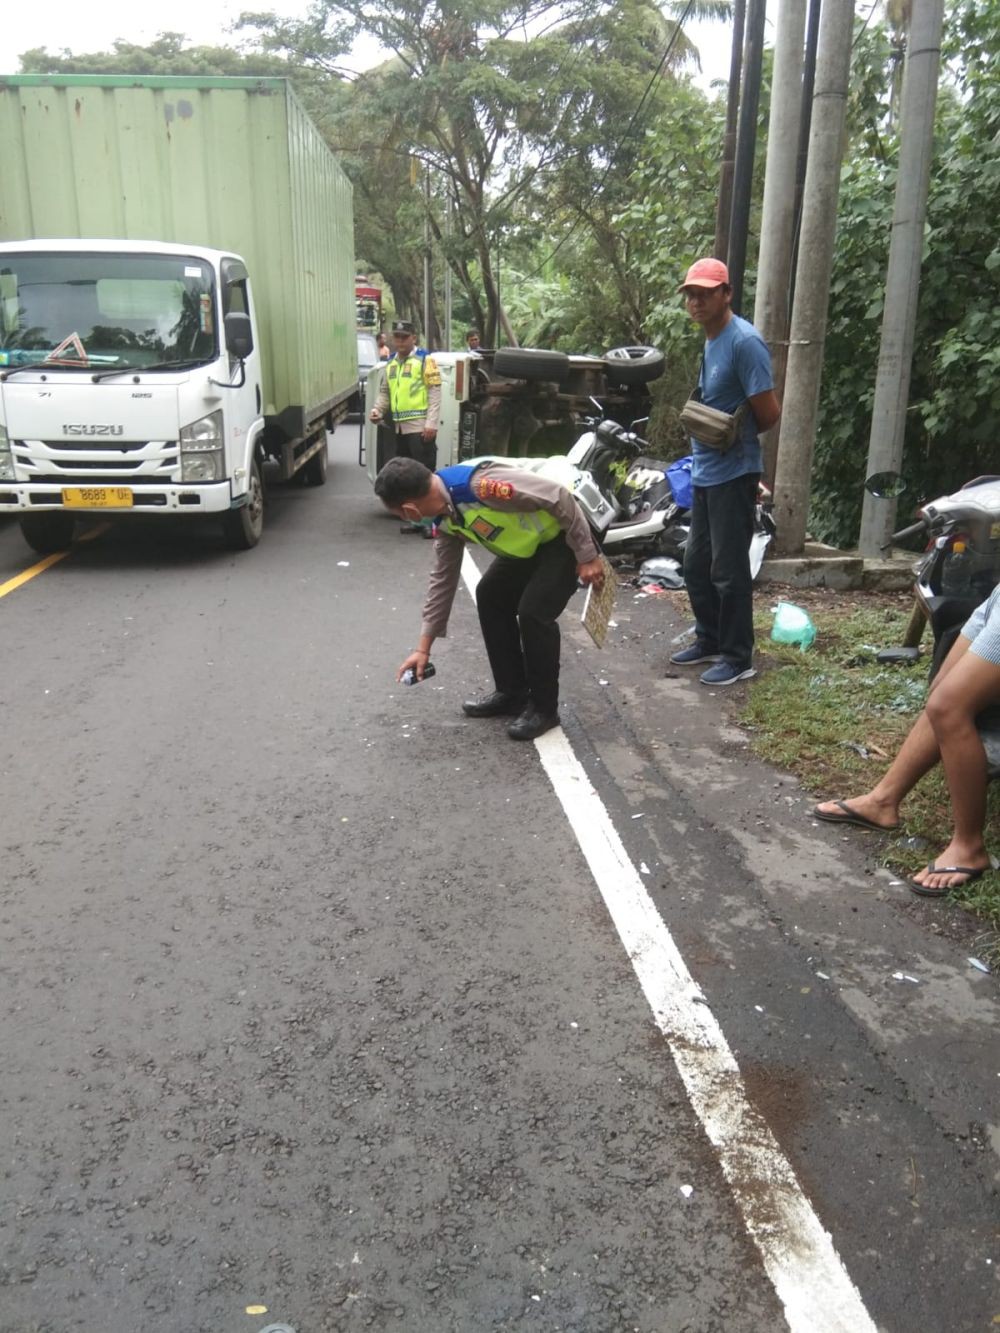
812, 277
902, 284
772, 310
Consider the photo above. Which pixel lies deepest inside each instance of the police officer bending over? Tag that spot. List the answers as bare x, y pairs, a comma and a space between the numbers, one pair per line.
543, 545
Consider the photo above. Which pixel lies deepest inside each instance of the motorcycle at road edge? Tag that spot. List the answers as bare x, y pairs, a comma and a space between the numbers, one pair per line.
960, 565
652, 502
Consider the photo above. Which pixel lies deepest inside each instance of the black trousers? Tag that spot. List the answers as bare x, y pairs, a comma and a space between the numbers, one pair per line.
520, 602
415, 446
717, 566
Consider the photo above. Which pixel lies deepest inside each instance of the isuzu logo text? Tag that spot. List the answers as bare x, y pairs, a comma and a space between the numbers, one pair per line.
80, 428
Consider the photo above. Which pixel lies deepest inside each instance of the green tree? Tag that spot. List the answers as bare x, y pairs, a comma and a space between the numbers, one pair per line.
168, 54
516, 134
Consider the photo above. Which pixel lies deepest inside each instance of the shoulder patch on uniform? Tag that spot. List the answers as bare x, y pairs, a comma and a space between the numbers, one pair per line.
494, 488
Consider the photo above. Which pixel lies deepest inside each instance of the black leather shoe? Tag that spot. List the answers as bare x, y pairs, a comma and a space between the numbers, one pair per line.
532, 724
497, 704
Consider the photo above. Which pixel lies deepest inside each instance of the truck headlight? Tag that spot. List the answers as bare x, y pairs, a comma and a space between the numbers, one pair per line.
6, 461
202, 448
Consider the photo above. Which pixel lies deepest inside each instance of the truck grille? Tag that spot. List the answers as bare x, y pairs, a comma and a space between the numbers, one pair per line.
87, 463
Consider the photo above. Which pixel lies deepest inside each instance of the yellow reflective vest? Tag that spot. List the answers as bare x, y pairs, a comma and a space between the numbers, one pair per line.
408, 382
502, 532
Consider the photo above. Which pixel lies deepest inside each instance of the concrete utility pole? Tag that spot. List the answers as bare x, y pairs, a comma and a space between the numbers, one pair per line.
725, 204
746, 143
902, 285
812, 277
774, 280
808, 88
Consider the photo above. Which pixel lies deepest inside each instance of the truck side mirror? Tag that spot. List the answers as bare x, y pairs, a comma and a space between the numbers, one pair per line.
239, 334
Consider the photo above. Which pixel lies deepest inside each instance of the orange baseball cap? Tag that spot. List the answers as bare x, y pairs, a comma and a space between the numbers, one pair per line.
706, 273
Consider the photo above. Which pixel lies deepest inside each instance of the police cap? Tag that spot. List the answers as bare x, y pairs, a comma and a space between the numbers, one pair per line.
403, 326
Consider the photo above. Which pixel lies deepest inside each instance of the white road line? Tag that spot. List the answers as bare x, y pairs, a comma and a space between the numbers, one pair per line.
798, 1254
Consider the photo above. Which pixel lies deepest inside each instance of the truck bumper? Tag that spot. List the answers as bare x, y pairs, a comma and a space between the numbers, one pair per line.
36, 497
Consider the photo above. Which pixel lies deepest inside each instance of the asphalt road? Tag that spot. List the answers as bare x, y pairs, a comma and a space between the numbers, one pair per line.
314, 1014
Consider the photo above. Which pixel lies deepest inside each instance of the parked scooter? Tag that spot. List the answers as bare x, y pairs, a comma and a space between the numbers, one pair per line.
961, 564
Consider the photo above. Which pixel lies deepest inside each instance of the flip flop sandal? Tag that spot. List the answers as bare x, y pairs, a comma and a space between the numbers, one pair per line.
942, 891
850, 816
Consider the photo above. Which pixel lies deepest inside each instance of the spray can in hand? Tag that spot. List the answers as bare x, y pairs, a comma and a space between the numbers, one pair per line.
410, 677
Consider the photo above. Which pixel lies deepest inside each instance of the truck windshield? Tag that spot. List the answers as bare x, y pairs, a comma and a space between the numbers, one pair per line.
102, 310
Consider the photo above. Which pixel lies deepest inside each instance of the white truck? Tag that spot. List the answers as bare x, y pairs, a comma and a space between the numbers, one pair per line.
157, 372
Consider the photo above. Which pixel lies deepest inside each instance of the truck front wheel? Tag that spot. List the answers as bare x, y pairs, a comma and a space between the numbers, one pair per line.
46, 533
241, 528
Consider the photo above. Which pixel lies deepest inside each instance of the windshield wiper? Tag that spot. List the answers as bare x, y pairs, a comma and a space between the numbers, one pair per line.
41, 365
104, 374
156, 365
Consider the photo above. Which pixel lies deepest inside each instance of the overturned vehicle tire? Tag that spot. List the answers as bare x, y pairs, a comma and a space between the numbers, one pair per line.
531, 363
634, 365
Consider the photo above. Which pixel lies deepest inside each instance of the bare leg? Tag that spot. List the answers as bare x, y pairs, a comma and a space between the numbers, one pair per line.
917, 755
951, 712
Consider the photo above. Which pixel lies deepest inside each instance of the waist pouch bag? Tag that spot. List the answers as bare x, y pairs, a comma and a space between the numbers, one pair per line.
718, 430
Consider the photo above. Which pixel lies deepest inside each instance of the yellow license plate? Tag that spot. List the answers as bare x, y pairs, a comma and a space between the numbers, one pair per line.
97, 497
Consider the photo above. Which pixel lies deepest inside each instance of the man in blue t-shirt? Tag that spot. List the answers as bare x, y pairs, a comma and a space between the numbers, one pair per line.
735, 371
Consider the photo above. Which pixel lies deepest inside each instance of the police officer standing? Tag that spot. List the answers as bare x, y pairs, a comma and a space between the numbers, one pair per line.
412, 392
543, 545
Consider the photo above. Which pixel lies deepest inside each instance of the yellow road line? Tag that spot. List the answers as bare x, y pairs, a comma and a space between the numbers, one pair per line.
49, 561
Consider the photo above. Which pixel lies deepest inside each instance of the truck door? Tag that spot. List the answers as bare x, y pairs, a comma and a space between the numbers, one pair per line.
244, 406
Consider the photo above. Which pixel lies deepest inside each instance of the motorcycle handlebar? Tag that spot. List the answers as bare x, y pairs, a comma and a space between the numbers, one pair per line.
611, 431
911, 531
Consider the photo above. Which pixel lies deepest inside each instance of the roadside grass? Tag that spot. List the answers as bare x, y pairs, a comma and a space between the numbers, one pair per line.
834, 717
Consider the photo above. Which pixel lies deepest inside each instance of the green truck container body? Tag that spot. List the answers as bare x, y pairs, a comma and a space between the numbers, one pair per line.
233, 164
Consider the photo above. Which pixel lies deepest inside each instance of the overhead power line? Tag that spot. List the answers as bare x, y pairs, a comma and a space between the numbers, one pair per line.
624, 137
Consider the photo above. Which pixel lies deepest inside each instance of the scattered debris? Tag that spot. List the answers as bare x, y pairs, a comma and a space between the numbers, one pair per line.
792, 625
980, 966
914, 844
687, 1191
904, 976
661, 572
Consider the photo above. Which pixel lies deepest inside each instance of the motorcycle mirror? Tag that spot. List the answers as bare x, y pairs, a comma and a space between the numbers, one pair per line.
600, 409
639, 421
885, 485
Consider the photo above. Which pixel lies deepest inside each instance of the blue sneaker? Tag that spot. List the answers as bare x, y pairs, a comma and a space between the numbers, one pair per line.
696, 653
726, 673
